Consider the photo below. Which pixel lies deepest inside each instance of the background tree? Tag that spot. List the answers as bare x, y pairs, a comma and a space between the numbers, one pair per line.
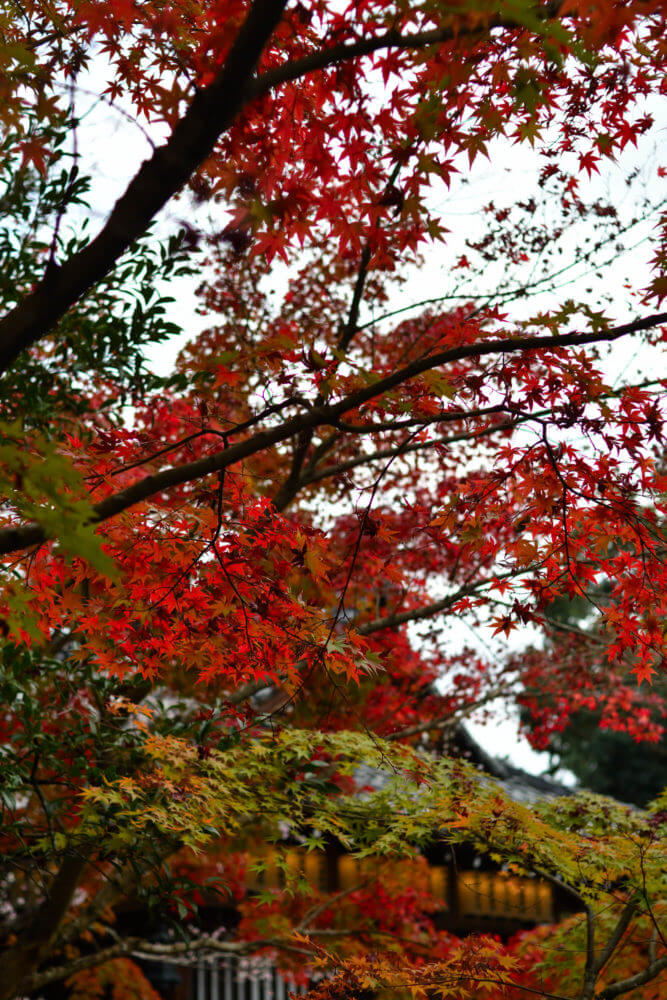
324, 468
607, 759
611, 763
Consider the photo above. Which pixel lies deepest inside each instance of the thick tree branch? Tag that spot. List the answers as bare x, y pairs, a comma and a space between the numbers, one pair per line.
13, 539
113, 891
33, 944
211, 112
320, 450
56, 973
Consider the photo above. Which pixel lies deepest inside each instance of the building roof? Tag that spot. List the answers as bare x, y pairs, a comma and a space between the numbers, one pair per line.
520, 785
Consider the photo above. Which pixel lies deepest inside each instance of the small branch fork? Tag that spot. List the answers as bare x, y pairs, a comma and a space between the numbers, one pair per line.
293, 483
595, 962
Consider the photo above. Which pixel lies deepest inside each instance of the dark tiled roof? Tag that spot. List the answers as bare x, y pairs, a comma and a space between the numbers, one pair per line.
519, 784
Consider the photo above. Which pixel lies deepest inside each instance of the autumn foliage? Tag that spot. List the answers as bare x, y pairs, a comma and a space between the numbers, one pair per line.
228, 587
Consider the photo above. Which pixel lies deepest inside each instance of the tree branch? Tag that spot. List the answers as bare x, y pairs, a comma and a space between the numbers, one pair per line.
448, 416
210, 113
25, 956
350, 326
449, 721
430, 610
313, 474
376, 456
392, 39
616, 935
150, 951
116, 888
625, 985
15, 538
292, 484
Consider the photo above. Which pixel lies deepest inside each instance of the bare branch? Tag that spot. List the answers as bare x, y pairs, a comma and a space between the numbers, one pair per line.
450, 721
448, 416
352, 463
152, 951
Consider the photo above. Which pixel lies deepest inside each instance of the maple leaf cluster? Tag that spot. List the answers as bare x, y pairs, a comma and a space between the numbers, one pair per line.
223, 588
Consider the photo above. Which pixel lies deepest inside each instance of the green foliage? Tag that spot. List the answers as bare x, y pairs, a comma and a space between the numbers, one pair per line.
586, 842
42, 485
96, 742
99, 346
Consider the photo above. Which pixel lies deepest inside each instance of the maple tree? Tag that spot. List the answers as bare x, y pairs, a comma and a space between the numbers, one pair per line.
323, 471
